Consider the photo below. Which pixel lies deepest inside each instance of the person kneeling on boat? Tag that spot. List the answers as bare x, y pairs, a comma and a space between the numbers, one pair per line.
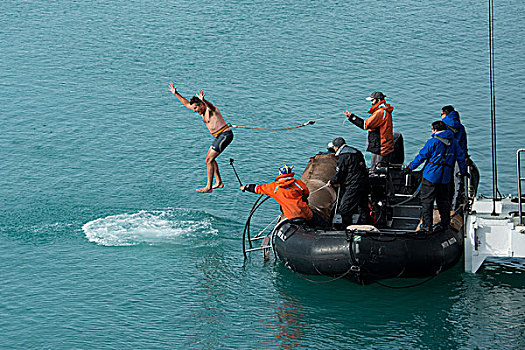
352, 175
291, 194
440, 154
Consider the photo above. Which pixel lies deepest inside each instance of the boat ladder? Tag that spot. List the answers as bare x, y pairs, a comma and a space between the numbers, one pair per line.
264, 237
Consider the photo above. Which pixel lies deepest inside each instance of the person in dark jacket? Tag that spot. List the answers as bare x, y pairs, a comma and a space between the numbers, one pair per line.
352, 177
451, 118
440, 153
380, 129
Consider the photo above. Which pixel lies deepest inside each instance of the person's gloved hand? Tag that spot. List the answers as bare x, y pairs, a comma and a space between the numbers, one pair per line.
465, 175
405, 171
305, 198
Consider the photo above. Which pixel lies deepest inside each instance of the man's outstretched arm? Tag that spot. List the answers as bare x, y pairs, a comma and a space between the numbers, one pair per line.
359, 122
184, 101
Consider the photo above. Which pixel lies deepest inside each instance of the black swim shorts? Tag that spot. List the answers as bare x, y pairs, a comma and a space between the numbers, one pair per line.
222, 141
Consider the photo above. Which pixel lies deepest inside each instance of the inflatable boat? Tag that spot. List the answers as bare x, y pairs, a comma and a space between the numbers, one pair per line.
390, 248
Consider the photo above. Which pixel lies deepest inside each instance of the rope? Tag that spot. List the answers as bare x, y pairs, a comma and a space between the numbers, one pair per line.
336, 205
319, 282
409, 198
410, 285
346, 126
320, 188
264, 229
271, 129
310, 122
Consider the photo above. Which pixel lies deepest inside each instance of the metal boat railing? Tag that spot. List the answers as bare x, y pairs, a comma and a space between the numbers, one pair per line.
266, 236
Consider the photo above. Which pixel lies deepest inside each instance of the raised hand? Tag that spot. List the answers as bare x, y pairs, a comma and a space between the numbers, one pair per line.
200, 95
347, 113
173, 89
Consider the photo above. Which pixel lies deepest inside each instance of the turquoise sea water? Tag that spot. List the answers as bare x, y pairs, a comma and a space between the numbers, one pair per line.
104, 243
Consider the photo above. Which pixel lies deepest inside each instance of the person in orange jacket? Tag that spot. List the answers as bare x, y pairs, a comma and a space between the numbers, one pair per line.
292, 194
380, 129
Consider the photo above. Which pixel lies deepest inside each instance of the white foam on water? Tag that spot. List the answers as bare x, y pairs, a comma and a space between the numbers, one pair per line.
146, 227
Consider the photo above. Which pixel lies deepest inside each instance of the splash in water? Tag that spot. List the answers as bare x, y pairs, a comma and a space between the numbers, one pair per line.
148, 227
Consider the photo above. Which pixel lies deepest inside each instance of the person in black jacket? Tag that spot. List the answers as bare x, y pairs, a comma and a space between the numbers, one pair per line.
352, 177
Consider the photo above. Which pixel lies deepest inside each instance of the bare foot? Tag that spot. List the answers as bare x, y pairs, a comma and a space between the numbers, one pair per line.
204, 190
219, 185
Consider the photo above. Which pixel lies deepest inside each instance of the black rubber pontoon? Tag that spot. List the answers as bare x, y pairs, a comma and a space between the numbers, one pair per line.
367, 256
391, 249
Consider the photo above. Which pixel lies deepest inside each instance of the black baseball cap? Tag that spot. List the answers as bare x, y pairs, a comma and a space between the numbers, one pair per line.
377, 95
337, 142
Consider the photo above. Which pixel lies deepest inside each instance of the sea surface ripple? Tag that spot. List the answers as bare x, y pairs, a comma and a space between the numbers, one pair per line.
104, 243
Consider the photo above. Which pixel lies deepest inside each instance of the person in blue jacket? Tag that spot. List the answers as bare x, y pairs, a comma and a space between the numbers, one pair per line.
440, 154
451, 118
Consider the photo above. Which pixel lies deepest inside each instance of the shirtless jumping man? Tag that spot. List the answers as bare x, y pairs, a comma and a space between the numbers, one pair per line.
219, 129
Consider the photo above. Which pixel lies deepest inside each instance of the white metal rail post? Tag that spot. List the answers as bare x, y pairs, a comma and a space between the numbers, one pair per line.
520, 179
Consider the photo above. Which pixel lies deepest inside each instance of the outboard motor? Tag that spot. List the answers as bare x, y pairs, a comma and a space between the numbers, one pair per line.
398, 156
385, 182
380, 192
